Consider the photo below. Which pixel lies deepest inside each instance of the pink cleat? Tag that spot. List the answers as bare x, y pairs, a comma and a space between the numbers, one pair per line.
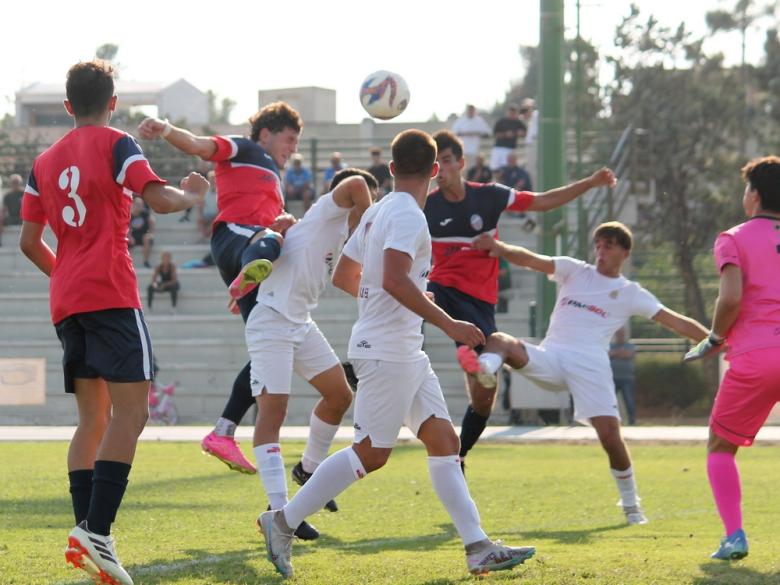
251, 275
469, 361
226, 450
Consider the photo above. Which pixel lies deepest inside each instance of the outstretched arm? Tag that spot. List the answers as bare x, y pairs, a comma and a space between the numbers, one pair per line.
680, 324
562, 195
166, 199
184, 140
514, 254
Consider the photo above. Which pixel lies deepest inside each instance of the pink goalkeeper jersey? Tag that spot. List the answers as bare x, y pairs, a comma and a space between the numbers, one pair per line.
754, 246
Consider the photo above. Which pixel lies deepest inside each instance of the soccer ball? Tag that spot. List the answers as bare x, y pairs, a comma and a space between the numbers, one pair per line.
384, 95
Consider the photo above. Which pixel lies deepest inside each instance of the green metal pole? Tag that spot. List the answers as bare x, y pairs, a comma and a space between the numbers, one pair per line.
552, 161
582, 220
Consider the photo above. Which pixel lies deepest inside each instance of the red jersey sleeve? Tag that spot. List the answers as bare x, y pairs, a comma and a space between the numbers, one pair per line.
226, 148
131, 169
32, 209
519, 200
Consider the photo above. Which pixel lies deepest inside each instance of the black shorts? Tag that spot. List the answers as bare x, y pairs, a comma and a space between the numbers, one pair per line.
228, 243
463, 307
113, 344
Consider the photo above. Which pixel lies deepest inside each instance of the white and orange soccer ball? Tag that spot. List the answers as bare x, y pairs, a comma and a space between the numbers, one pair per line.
384, 95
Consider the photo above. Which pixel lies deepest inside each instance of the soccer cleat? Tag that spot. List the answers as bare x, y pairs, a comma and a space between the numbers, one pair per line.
732, 547
301, 477
469, 361
226, 450
635, 515
305, 531
495, 556
96, 555
278, 542
251, 275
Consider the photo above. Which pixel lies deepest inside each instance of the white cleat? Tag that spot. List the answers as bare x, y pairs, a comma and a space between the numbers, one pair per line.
485, 556
635, 515
96, 555
278, 542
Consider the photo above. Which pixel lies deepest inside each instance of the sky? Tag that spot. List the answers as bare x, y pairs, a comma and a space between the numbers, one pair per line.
451, 52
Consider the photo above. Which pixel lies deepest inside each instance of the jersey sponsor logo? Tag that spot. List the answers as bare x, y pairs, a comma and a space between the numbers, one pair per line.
569, 302
329, 262
445, 221
364, 344
476, 222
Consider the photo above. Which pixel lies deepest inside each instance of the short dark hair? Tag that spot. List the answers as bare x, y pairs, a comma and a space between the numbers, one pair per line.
89, 87
353, 172
763, 174
276, 117
414, 153
447, 139
616, 232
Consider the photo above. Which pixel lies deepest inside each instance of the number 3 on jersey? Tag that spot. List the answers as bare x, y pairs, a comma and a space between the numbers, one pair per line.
69, 181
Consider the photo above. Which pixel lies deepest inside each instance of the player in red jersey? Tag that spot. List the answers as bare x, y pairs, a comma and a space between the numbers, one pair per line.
83, 186
249, 198
464, 281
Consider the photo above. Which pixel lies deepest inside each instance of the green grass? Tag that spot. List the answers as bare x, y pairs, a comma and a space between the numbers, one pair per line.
186, 519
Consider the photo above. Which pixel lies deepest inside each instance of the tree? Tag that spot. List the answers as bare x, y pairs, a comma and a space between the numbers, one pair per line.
107, 51
219, 114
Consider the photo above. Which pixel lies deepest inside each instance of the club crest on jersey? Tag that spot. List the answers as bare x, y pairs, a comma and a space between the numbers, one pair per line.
476, 222
613, 294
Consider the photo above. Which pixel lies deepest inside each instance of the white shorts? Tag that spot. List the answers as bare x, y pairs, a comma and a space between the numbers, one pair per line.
587, 376
498, 157
277, 347
393, 394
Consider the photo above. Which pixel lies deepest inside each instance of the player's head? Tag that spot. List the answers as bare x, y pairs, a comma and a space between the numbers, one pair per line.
373, 187
166, 258
277, 127
513, 111
89, 89
414, 156
612, 241
15, 182
450, 158
137, 206
762, 189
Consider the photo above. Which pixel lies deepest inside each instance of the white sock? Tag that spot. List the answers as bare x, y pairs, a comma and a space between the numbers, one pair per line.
270, 467
626, 485
320, 437
333, 476
490, 362
450, 486
225, 427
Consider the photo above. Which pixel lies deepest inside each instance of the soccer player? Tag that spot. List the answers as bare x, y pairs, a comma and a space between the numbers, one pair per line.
385, 264
282, 337
747, 324
464, 280
593, 302
82, 187
250, 199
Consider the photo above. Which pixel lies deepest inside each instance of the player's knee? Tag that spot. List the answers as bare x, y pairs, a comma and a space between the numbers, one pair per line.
611, 440
374, 459
341, 400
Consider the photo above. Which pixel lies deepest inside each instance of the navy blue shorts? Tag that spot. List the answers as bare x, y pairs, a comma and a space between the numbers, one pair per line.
463, 307
113, 344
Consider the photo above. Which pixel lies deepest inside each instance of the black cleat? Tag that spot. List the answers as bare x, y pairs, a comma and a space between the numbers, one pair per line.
349, 372
305, 531
301, 477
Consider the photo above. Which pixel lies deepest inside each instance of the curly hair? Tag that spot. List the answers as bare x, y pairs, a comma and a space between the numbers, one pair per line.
275, 117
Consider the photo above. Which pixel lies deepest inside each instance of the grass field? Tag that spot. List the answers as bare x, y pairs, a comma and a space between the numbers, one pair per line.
187, 520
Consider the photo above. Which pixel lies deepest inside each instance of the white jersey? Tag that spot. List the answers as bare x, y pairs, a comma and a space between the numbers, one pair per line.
385, 329
308, 256
591, 307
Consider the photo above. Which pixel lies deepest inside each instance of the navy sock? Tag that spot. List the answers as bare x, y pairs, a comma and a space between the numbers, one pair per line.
108, 487
471, 429
267, 248
241, 399
80, 492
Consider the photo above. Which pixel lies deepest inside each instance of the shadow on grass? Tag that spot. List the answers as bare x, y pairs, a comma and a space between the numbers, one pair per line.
424, 542
583, 536
734, 573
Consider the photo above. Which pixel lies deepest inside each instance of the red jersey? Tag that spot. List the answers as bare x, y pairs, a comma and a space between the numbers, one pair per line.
249, 188
455, 224
82, 186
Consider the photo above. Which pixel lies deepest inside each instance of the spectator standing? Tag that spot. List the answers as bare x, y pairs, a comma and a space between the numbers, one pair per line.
209, 209
480, 172
141, 229
470, 128
12, 203
621, 358
164, 279
381, 171
336, 164
530, 115
506, 132
298, 182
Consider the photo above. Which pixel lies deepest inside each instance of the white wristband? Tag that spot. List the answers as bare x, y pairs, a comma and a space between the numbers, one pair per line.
166, 129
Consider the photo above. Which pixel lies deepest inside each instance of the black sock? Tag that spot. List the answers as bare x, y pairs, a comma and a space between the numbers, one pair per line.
471, 429
241, 399
80, 492
267, 248
108, 487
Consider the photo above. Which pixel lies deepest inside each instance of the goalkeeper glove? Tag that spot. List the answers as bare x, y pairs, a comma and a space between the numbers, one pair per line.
707, 347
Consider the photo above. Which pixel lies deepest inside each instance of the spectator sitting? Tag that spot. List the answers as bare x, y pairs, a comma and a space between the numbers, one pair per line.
381, 171
515, 176
164, 279
141, 228
208, 209
336, 164
506, 132
298, 182
12, 203
470, 128
621, 358
480, 172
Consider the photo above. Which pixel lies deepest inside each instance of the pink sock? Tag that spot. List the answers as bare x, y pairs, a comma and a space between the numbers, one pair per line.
724, 481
